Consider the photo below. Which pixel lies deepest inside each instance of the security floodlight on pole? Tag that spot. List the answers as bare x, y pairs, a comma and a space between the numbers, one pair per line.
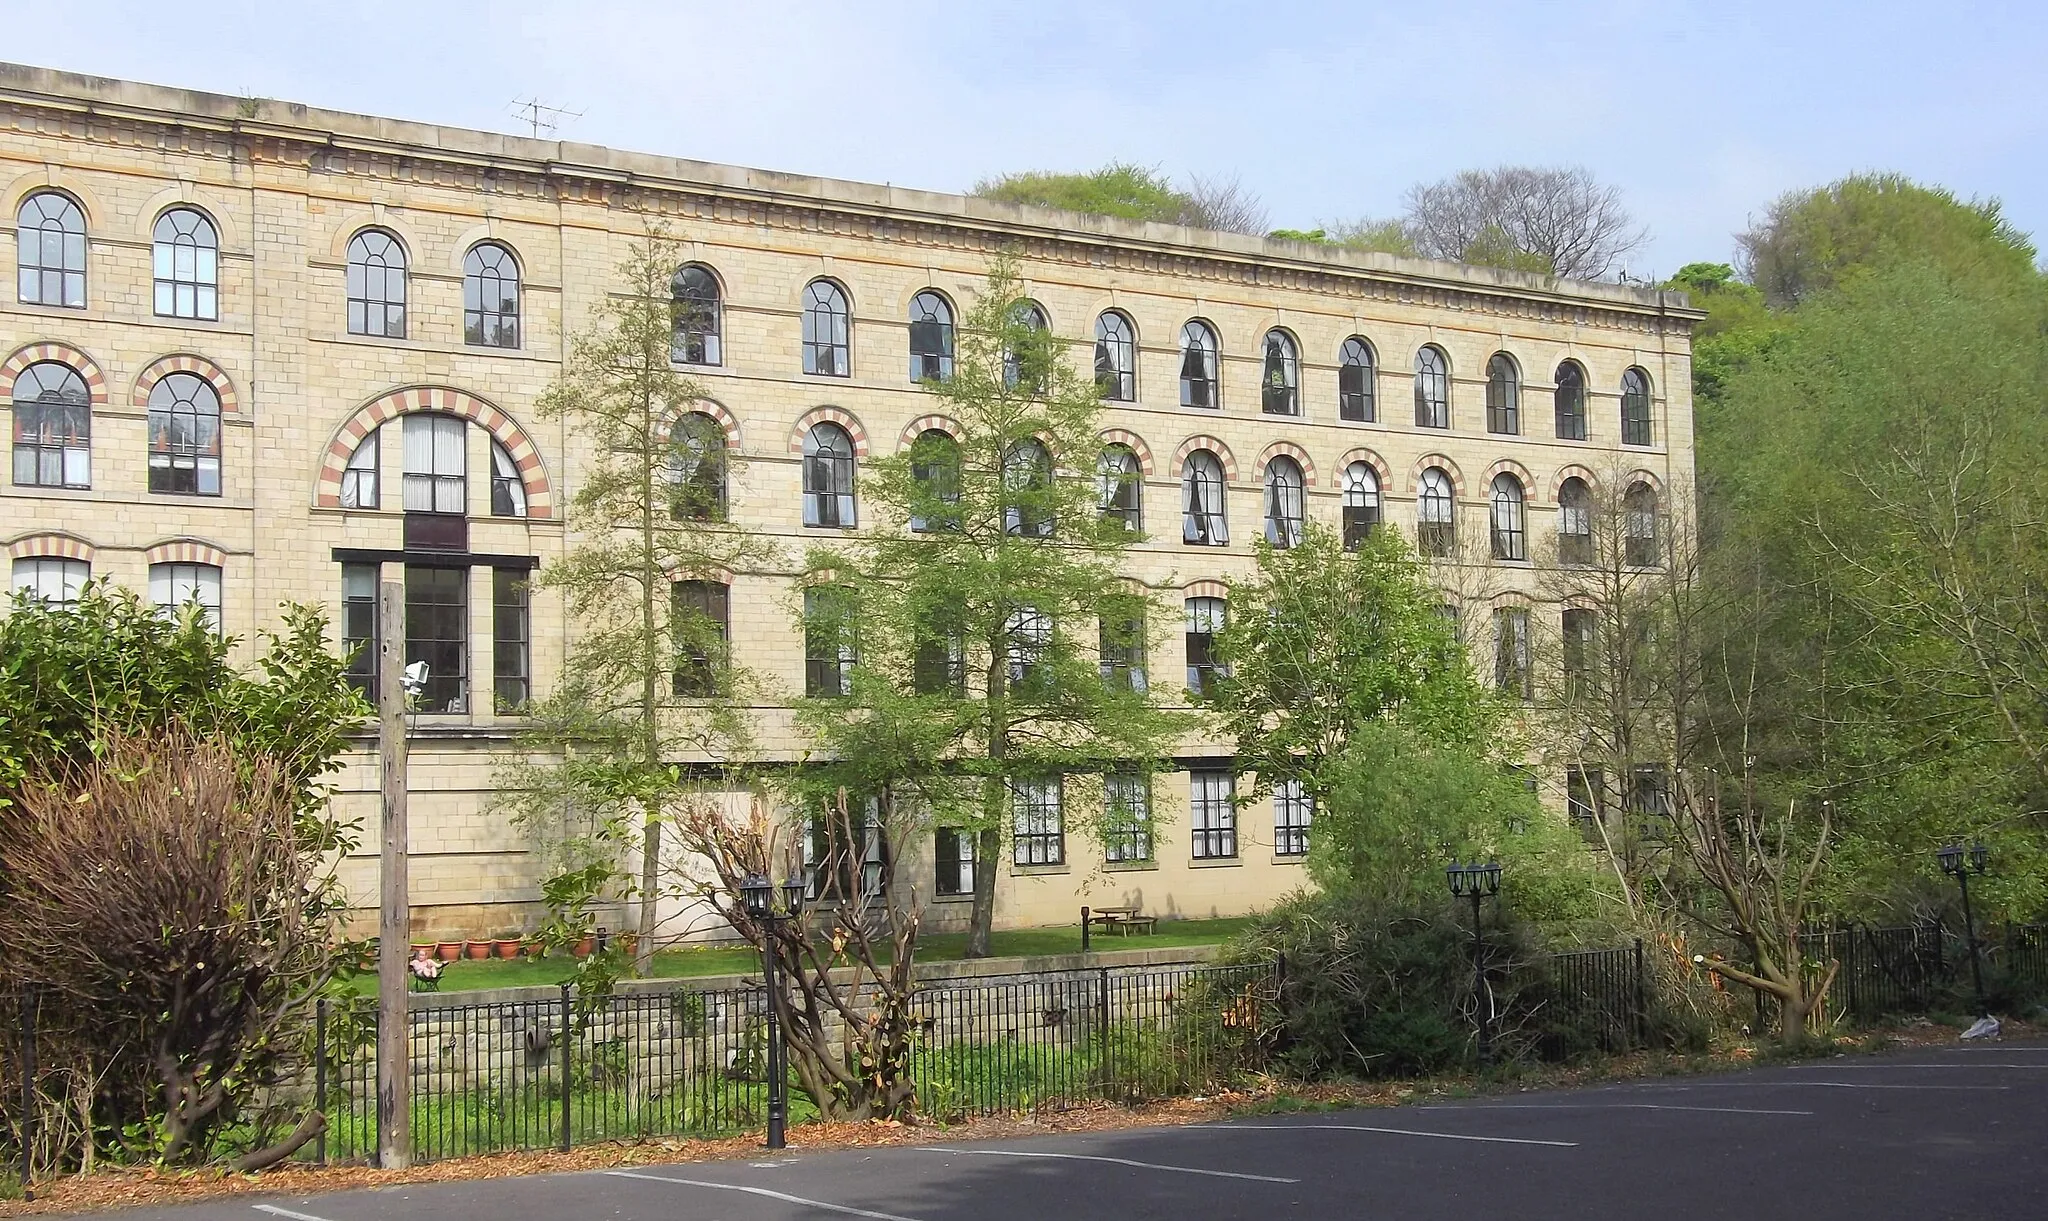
397, 685
1475, 882
1958, 865
758, 895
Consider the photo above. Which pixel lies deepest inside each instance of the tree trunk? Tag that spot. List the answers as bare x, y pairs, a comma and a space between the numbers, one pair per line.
988, 846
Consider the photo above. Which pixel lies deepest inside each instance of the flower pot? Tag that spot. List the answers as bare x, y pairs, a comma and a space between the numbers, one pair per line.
629, 944
477, 950
506, 947
448, 951
587, 946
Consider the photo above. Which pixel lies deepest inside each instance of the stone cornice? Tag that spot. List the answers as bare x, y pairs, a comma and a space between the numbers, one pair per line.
46, 103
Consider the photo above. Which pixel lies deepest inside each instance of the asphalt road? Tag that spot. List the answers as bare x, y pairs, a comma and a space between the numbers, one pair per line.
1950, 1132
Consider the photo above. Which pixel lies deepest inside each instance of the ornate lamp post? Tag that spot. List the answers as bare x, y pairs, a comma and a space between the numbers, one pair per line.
758, 894
1475, 882
1958, 865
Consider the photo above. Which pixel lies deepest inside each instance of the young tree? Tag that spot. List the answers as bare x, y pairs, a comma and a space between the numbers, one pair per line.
647, 683
1556, 220
998, 647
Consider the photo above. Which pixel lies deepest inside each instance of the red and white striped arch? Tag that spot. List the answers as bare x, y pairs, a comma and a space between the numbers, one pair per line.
63, 354
540, 499
822, 415
922, 425
1296, 452
186, 551
1449, 468
1214, 446
1121, 436
185, 362
51, 546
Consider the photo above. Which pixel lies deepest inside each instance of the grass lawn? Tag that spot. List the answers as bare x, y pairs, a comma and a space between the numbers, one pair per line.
465, 975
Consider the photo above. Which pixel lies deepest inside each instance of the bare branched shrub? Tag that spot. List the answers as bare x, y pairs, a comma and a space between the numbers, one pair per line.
1223, 203
1558, 219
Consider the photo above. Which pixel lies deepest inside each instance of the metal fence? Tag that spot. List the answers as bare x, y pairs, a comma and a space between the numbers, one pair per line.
1590, 1001
1912, 969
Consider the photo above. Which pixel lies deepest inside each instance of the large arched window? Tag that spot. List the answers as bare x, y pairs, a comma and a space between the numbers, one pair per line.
436, 463
185, 262
697, 317
1361, 507
1028, 490
376, 285
490, 297
1355, 381
1280, 375
1120, 486
931, 338
1284, 494
828, 477
1198, 365
1116, 358
828, 330
1026, 358
1503, 395
49, 244
1571, 402
697, 468
1202, 520
184, 435
1635, 407
1436, 519
508, 490
1510, 531
935, 470
52, 428
1574, 522
1432, 389
1639, 526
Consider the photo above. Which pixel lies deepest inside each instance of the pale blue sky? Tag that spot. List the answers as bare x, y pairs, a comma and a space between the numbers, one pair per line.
1700, 112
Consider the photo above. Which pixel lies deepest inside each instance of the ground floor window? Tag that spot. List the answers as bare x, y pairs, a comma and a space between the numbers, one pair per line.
1127, 817
1041, 838
1212, 805
953, 855
1293, 809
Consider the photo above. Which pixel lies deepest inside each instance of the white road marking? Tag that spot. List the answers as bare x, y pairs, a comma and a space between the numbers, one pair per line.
1120, 1161
1605, 1106
1950, 1064
285, 1212
761, 1191
1872, 1085
1346, 1127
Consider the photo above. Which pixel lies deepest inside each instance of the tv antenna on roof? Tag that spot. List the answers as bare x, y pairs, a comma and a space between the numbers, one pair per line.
543, 119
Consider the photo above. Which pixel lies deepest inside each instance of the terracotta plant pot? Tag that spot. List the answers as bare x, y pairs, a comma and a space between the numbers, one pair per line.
586, 947
448, 951
506, 947
477, 949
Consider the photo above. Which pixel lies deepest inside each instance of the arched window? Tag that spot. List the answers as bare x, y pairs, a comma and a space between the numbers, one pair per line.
828, 330
1116, 358
1432, 389
1280, 376
53, 581
49, 244
185, 256
52, 428
1361, 503
1436, 522
1571, 402
1635, 407
828, 477
1198, 366
184, 435
172, 586
1120, 486
1639, 526
436, 476
376, 285
490, 297
931, 338
1025, 358
1510, 534
697, 317
697, 468
1355, 381
935, 469
359, 479
1503, 395
1574, 522
1201, 481
1284, 494
1028, 490
508, 490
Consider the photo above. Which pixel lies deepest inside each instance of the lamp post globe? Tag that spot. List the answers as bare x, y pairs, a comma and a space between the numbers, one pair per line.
758, 896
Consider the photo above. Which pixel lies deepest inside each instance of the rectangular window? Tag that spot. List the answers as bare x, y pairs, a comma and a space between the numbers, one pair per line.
171, 586
1121, 645
511, 640
52, 581
700, 620
52, 444
1205, 618
437, 633
436, 466
1585, 795
847, 857
1212, 808
1127, 817
1041, 839
939, 664
1293, 810
359, 626
1029, 649
1511, 672
831, 646
953, 860
1650, 791
1579, 651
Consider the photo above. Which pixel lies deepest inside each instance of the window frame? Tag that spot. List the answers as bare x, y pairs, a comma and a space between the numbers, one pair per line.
1205, 515
1122, 645
1206, 615
696, 320
1436, 534
511, 641
71, 576
1359, 404
1641, 545
1279, 374
1212, 814
1575, 523
1202, 352
953, 871
1120, 486
1503, 395
36, 444
931, 311
831, 642
452, 689
1508, 520
827, 329
1116, 357
699, 671
1286, 501
358, 624
828, 478
435, 486
72, 251
1513, 670
1028, 477
485, 326
1432, 387
192, 291
698, 469
1294, 810
1637, 427
1361, 508
361, 262
1568, 397
1038, 832
1127, 824
200, 456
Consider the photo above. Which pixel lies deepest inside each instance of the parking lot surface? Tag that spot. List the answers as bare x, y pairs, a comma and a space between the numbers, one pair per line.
1948, 1132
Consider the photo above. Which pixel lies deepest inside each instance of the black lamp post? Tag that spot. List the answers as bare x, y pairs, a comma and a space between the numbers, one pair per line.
759, 896
1475, 882
1960, 865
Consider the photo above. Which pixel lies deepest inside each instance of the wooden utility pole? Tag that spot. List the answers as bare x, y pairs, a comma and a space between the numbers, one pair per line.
394, 916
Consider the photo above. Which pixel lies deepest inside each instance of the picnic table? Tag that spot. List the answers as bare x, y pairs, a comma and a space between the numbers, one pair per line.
1122, 920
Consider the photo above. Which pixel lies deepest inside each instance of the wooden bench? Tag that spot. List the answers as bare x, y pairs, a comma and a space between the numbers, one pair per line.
1122, 920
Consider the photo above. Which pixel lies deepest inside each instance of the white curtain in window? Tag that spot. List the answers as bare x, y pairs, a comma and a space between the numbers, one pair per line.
434, 463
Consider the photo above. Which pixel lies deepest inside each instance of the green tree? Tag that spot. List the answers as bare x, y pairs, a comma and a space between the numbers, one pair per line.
647, 683
984, 603
1132, 192
1737, 329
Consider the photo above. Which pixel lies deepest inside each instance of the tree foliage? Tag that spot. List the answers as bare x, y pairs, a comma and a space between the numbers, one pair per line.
1133, 192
